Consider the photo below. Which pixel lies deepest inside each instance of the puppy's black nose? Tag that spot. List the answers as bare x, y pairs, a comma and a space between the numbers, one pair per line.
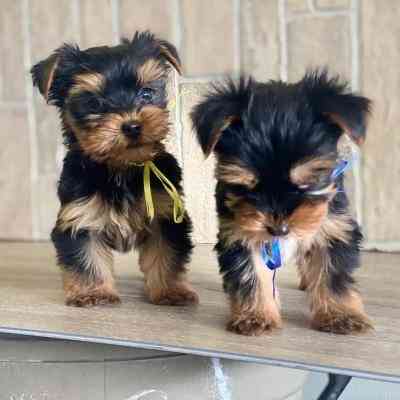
131, 129
279, 230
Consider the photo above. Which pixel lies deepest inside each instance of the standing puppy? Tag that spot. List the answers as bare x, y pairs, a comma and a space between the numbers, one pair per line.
113, 106
280, 186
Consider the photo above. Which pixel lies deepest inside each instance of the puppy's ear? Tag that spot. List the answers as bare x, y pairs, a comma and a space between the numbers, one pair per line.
44, 72
169, 52
333, 100
221, 108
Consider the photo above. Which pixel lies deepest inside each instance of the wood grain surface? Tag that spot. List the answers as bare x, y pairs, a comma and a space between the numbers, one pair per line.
31, 303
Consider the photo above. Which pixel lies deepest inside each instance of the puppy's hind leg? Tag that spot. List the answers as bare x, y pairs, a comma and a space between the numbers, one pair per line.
164, 251
336, 305
86, 262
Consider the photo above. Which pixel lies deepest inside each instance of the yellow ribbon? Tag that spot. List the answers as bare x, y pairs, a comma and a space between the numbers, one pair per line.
179, 209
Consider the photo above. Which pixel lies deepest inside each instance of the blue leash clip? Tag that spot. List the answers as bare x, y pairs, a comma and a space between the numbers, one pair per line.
340, 168
271, 254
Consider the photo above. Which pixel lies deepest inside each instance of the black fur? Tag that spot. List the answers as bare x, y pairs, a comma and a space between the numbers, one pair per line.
84, 174
268, 129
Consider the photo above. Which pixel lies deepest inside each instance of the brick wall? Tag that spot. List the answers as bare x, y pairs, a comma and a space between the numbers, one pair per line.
359, 39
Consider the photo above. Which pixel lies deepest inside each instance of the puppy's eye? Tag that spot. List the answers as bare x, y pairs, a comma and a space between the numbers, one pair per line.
94, 105
146, 94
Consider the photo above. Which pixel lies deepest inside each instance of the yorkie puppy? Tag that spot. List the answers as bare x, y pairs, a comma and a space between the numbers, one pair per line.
280, 196
113, 107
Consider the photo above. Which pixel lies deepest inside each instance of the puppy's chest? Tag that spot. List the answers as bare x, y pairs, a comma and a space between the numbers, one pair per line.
118, 222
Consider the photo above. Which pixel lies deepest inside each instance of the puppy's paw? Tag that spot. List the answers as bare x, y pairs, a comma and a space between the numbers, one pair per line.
177, 295
254, 323
93, 298
342, 322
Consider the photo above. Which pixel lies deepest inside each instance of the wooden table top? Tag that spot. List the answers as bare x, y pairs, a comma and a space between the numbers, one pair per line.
31, 303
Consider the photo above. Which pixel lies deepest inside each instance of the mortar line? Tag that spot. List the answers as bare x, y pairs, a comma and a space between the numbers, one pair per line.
384, 246
115, 21
178, 25
355, 85
236, 38
283, 40
76, 18
200, 78
177, 82
12, 105
319, 14
1, 83
311, 6
33, 145
178, 118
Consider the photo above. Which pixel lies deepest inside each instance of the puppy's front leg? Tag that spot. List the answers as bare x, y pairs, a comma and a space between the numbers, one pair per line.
248, 282
164, 251
86, 262
336, 305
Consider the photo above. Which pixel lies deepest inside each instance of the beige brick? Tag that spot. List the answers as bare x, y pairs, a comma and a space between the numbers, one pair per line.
52, 24
260, 39
333, 4
155, 15
208, 37
199, 182
15, 195
174, 139
332, 48
297, 5
380, 32
12, 52
47, 204
95, 23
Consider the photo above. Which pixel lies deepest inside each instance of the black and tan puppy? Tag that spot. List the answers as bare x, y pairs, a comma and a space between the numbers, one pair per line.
113, 106
279, 181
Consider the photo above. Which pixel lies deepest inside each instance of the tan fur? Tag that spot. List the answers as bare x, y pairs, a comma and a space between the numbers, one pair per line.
260, 312
50, 78
247, 225
88, 81
96, 284
233, 173
173, 60
216, 134
78, 293
339, 314
95, 215
150, 71
308, 171
333, 227
307, 219
339, 121
88, 213
104, 141
165, 281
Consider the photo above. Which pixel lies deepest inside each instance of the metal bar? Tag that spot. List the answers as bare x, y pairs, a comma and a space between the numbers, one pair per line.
335, 387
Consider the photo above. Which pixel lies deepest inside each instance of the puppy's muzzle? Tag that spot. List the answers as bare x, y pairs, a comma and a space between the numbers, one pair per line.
278, 230
131, 129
